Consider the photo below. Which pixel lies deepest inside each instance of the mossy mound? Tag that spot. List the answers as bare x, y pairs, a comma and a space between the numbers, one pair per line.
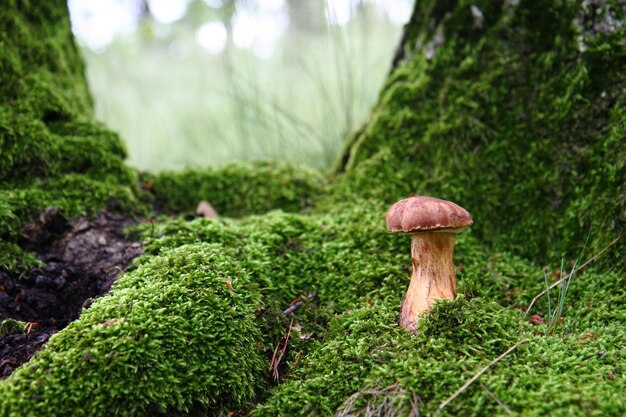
10, 326
513, 109
237, 189
125, 354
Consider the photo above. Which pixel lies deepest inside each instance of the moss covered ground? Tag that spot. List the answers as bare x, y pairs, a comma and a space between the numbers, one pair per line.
237, 189
513, 110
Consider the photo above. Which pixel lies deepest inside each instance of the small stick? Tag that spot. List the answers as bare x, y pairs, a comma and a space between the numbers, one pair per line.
414, 408
282, 351
478, 374
274, 356
496, 399
593, 258
299, 302
296, 360
293, 307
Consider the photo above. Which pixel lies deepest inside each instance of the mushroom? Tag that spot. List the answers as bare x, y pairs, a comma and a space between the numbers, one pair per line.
433, 224
206, 210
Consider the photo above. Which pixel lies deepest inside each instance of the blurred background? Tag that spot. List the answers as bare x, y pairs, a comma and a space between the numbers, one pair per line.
204, 82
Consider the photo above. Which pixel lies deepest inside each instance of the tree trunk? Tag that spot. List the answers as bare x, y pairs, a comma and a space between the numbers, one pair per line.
516, 111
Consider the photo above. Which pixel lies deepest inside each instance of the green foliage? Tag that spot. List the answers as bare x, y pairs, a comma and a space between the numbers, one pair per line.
364, 348
237, 189
14, 258
360, 272
363, 265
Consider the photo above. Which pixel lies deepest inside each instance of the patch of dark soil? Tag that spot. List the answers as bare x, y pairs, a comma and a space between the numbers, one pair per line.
81, 260
17, 348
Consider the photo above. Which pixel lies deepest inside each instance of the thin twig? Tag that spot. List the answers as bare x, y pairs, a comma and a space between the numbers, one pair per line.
496, 399
478, 374
593, 258
282, 352
273, 361
414, 408
293, 307
381, 402
299, 302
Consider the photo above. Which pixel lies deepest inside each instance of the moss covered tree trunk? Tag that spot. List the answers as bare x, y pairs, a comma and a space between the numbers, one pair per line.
53, 153
516, 109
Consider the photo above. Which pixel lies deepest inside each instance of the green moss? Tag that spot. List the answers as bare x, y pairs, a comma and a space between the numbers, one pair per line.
368, 354
360, 273
14, 258
238, 188
52, 151
518, 117
365, 347
10, 326
123, 357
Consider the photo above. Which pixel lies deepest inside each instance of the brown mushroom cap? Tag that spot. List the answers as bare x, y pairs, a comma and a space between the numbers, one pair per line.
426, 214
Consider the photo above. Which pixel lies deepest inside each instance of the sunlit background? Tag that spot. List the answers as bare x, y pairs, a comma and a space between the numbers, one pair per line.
204, 82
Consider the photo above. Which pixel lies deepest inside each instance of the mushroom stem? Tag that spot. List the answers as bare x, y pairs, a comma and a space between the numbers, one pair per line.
433, 276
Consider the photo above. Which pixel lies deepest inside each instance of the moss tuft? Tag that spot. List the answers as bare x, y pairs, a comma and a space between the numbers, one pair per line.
117, 359
10, 326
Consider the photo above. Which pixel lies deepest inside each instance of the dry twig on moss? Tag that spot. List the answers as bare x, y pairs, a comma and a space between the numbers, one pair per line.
478, 374
496, 399
569, 276
381, 402
276, 360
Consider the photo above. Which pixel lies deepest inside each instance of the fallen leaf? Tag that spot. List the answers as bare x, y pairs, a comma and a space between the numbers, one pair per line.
111, 322
587, 337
